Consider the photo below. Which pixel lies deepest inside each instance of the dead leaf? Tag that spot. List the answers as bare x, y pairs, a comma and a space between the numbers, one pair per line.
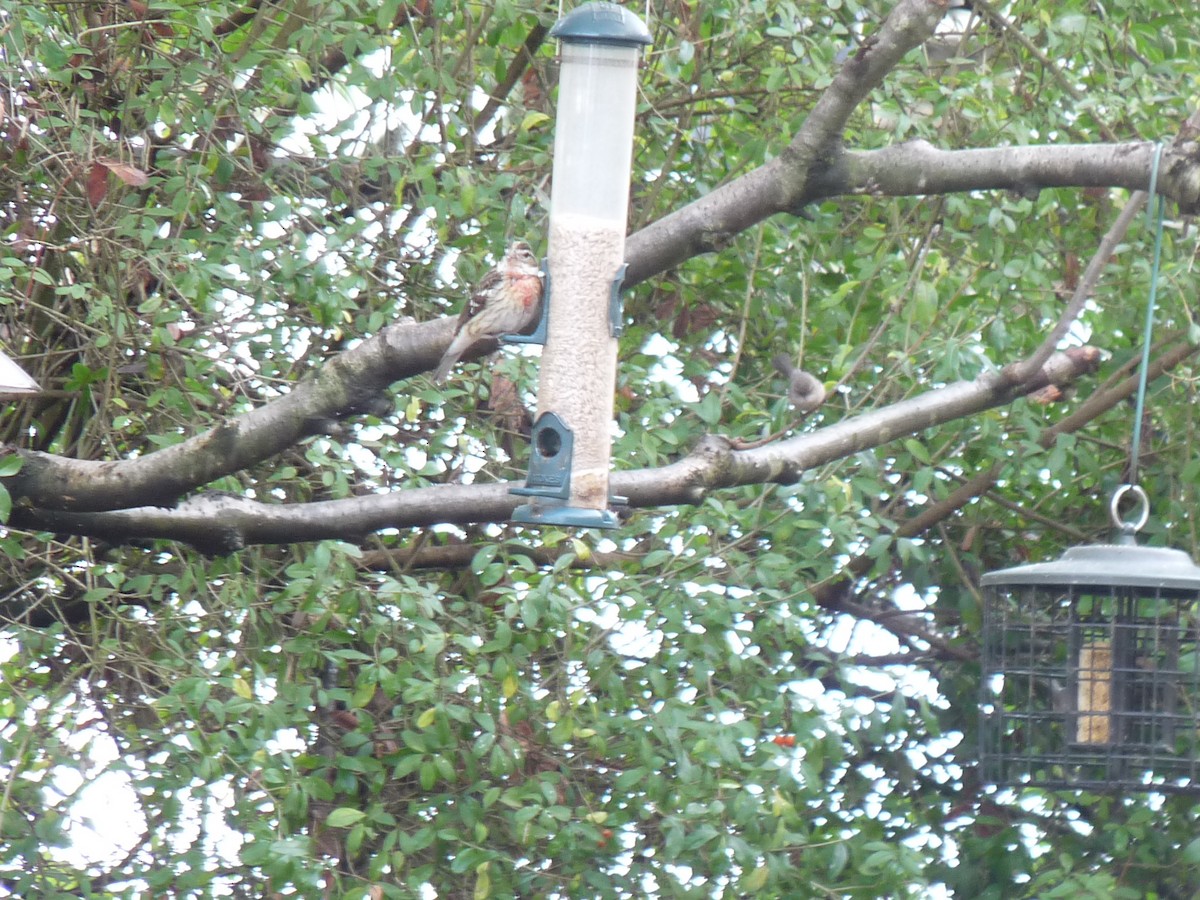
533, 89
386, 747
344, 718
131, 175
505, 403
1051, 393
1087, 356
97, 184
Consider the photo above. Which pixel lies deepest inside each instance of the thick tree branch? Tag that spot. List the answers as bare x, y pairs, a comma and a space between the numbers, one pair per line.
814, 165
516, 68
1170, 353
350, 382
917, 167
1121, 387
441, 557
782, 184
219, 523
713, 465
237, 20
838, 595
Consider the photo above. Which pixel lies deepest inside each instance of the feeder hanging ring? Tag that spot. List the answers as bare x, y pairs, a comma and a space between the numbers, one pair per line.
1129, 528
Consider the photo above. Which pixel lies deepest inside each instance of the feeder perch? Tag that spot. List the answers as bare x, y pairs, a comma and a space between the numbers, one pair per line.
593, 150
549, 480
1090, 676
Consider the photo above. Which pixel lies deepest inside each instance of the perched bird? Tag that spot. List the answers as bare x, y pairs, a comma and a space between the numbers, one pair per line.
805, 392
505, 301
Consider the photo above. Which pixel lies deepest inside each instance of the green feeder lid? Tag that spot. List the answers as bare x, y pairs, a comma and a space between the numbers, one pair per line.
601, 22
1107, 565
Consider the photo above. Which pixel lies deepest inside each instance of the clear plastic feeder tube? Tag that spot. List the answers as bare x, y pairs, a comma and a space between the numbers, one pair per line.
593, 150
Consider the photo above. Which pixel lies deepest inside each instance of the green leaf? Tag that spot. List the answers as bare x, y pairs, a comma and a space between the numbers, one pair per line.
709, 408
918, 451
1191, 853
534, 119
839, 856
483, 882
754, 880
344, 817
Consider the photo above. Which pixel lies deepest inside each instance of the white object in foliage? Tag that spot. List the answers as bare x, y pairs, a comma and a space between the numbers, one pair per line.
14, 379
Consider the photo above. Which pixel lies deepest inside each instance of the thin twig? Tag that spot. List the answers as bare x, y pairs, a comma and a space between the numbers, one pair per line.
1023, 370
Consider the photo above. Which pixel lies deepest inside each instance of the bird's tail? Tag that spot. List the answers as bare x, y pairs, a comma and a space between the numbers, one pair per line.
443, 369
453, 352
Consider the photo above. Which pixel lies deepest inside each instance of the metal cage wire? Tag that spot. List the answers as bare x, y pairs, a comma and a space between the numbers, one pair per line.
1090, 676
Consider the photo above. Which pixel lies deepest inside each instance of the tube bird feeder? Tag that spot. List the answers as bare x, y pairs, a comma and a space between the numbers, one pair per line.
1090, 671
593, 149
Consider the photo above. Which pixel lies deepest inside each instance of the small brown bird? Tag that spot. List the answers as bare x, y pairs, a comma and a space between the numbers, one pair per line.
505, 301
805, 392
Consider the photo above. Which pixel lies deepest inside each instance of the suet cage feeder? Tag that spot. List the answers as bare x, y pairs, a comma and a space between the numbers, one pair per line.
1090, 678
601, 45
